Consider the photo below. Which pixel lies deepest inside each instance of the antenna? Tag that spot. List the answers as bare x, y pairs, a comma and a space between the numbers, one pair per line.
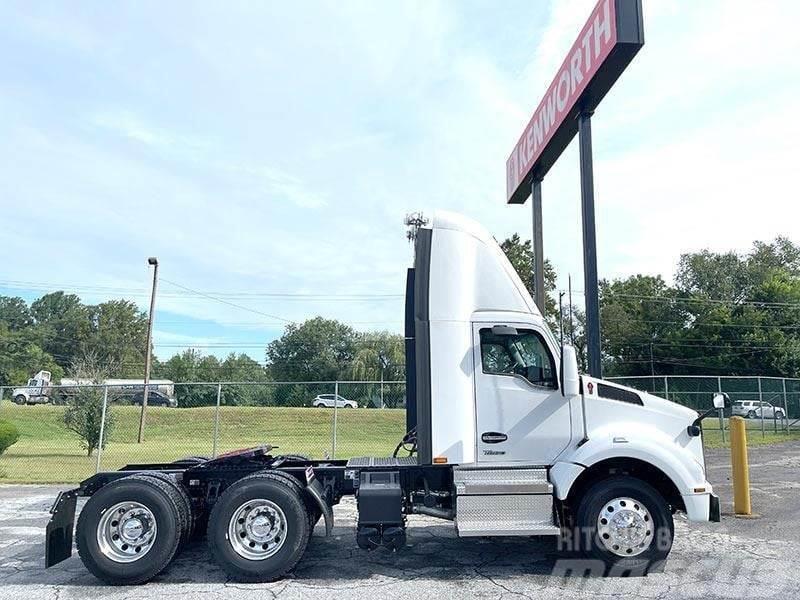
414, 221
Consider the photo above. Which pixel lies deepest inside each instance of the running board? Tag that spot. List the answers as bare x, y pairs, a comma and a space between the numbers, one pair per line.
503, 502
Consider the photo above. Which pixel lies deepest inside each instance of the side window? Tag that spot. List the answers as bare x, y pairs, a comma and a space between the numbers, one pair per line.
524, 354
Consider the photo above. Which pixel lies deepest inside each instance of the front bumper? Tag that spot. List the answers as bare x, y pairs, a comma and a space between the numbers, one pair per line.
702, 507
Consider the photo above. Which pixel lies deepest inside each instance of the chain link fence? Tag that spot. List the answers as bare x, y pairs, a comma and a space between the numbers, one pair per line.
770, 404
68, 433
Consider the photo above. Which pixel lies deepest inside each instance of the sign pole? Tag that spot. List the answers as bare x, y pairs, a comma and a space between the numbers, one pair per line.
538, 245
589, 245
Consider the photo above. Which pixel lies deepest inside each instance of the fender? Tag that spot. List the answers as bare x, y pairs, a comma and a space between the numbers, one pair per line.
639, 441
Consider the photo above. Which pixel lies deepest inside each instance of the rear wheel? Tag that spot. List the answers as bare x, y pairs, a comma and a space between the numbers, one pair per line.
627, 524
751, 414
258, 529
129, 530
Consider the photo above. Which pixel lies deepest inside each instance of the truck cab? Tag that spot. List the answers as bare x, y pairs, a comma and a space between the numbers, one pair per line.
499, 398
36, 391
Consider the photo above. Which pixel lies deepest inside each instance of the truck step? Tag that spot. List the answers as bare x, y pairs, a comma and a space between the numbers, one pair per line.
505, 515
487, 481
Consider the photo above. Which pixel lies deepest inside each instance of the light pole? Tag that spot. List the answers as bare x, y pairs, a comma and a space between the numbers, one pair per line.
153, 261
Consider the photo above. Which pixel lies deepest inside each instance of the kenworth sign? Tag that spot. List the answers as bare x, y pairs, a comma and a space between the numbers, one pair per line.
606, 44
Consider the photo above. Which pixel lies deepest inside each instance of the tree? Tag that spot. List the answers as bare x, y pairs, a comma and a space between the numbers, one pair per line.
317, 350
21, 357
520, 255
83, 414
379, 354
118, 335
188, 368
641, 317
14, 313
63, 326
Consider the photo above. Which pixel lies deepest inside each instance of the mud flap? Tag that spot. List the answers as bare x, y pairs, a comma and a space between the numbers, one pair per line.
58, 541
314, 487
713, 509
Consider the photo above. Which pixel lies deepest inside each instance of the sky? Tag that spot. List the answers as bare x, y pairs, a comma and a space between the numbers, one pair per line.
268, 152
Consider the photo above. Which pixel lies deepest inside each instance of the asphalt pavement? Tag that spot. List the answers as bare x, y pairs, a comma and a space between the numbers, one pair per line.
738, 558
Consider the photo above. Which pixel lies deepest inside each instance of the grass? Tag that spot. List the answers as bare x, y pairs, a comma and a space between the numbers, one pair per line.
713, 437
48, 453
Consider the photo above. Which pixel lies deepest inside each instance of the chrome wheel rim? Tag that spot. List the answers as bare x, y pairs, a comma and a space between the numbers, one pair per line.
625, 527
257, 529
126, 532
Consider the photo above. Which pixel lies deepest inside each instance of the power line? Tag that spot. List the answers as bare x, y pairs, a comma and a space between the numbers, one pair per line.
114, 290
239, 306
700, 300
698, 324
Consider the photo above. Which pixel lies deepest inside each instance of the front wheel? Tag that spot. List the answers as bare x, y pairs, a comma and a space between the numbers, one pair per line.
625, 523
19, 399
779, 415
751, 414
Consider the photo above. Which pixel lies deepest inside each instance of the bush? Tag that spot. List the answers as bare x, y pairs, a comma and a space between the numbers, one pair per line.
8, 435
84, 415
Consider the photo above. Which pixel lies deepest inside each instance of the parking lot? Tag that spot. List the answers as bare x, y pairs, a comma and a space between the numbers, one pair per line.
737, 558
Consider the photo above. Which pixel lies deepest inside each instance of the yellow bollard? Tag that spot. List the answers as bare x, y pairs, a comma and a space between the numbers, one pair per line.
739, 467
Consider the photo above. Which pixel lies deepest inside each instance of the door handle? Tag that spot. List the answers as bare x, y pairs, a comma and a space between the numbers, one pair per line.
493, 437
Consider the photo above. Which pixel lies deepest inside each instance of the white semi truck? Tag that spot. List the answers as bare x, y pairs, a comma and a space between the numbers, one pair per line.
41, 390
504, 438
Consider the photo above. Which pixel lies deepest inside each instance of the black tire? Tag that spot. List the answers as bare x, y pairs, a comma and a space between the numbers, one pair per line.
155, 494
20, 399
275, 488
751, 414
186, 515
779, 415
313, 510
661, 535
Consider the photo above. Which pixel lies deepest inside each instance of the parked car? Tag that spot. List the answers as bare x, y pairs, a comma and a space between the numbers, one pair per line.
327, 401
154, 398
751, 410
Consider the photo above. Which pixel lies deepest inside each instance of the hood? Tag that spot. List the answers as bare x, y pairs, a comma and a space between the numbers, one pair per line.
630, 413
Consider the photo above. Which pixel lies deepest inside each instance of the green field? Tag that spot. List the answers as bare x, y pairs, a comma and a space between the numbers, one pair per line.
47, 452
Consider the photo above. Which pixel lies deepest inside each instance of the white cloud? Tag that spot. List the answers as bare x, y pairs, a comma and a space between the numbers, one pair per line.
265, 148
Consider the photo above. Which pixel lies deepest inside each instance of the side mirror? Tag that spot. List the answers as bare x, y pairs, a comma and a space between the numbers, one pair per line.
570, 379
721, 400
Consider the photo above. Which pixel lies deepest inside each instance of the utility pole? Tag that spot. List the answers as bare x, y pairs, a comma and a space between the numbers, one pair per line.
652, 366
153, 261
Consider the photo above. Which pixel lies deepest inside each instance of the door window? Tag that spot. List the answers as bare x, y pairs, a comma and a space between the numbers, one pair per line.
524, 354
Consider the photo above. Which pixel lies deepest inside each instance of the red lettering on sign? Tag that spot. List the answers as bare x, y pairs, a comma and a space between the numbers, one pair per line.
590, 50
